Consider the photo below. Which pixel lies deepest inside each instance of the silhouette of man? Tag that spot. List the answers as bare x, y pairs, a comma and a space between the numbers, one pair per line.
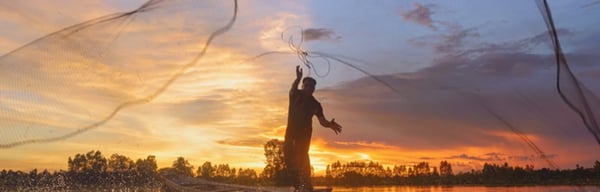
301, 109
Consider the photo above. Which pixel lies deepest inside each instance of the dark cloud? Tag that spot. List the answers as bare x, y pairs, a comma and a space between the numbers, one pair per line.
519, 46
465, 42
314, 34
493, 154
420, 15
530, 158
486, 158
452, 42
591, 4
520, 158
461, 167
499, 157
544, 37
447, 105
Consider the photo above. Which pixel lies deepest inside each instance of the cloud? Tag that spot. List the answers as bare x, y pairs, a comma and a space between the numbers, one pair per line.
493, 154
270, 37
82, 76
199, 111
465, 166
420, 15
499, 157
489, 157
441, 109
222, 104
460, 42
28, 21
244, 142
524, 45
445, 106
362, 144
529, 158
591, 4
455, 40
314, 34
467, 157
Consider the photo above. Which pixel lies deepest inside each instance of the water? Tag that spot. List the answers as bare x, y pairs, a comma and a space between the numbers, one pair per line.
389, 189
467, 189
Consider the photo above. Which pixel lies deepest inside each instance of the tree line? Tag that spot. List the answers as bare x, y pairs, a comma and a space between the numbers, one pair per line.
372, 173
93, 170
85, 171
218, 172
368, 173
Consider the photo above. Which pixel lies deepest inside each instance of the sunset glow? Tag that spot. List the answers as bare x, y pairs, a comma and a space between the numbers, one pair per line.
440, 72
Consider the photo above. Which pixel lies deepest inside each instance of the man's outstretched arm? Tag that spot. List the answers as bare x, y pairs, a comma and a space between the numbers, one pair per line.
294, 88
337, 128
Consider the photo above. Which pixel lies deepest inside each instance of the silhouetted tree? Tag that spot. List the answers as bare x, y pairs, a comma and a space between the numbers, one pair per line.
246, 176
207, 171
146, 170
275, 169
596, 169
183, 167
445, 169
89, 170
120, 163
422, 169
93, 170
223, 172
92, 161
146, 166
400, 171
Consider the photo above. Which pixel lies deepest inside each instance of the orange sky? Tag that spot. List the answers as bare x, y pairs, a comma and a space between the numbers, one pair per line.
226, 106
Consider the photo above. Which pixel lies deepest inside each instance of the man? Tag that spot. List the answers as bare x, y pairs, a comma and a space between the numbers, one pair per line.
301, 109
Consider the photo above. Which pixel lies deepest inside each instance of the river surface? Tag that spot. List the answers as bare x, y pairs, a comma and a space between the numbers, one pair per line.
378, 189
466, 189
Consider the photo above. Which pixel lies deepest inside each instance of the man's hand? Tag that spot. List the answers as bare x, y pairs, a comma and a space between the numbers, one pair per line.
298, 72
337, 128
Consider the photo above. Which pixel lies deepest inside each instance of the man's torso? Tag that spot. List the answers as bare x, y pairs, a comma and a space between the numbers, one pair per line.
300, 112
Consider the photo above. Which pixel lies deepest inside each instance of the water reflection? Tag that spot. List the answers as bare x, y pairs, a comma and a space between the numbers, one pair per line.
467, 188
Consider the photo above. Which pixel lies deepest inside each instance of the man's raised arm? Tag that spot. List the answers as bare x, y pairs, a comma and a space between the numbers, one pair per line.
294, 88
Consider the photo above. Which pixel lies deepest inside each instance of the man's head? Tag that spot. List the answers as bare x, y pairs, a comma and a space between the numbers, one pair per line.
308, 85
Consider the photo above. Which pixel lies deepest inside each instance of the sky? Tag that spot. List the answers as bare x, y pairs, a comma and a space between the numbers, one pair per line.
440, 81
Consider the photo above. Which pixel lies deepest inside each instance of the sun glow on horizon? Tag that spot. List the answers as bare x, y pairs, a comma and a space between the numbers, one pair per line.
234, 99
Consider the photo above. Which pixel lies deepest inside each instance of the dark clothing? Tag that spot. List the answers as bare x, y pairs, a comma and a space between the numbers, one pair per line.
297, 136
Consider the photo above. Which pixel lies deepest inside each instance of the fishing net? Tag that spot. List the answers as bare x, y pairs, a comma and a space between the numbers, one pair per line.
493, 81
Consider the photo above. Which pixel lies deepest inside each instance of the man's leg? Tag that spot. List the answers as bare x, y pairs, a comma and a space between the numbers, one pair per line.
292, 162
304, 166
306, 173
